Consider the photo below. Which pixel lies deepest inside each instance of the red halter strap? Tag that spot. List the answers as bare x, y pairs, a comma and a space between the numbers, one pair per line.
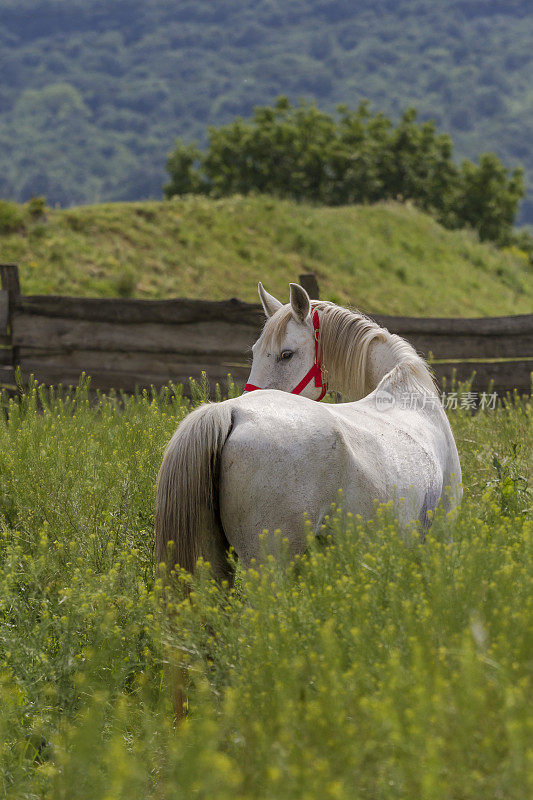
315, 371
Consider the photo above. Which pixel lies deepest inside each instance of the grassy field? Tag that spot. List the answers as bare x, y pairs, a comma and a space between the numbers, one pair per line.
387, 258
375, 667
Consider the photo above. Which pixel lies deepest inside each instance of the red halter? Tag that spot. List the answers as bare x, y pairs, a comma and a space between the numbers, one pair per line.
315, 371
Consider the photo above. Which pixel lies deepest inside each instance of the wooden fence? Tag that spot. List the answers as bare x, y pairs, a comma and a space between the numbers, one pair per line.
125, 344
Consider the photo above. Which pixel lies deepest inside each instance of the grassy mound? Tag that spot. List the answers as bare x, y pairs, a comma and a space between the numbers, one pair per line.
388, 258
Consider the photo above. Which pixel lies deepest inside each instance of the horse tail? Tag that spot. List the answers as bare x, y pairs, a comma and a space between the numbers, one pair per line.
187, 508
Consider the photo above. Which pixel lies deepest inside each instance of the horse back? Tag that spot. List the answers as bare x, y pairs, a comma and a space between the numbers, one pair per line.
278, 465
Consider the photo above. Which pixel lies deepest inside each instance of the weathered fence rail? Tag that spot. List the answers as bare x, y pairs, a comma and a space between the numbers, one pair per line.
128, 344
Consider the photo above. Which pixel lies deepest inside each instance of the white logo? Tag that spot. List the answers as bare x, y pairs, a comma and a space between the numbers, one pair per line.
384, 400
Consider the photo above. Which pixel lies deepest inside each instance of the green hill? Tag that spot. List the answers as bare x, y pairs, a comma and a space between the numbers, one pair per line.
388, 258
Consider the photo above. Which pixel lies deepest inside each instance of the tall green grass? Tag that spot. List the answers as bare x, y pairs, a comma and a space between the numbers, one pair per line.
374, 666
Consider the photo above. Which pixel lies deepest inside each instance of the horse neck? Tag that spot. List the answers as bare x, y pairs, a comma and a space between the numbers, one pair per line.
395, 364
381, 360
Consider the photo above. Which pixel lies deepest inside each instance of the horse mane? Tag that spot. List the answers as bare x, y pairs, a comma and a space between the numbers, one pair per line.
345, 339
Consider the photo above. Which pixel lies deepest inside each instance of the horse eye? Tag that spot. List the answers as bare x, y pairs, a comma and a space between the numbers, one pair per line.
286, 354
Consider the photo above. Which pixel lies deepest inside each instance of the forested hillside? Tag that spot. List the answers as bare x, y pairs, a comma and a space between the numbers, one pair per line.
93, 94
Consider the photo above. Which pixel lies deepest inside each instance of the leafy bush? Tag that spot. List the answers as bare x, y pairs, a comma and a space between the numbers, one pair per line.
125, 283
11, 217
487, 198
305, 154
37, 207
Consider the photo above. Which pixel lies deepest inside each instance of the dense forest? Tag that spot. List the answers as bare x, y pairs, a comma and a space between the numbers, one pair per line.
94, 94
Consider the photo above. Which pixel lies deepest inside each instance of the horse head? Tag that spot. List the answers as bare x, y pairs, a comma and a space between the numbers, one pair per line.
287, 354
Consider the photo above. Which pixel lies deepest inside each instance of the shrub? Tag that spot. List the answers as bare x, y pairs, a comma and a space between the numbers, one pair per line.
305, 154
125, 283
37, 207
11, 217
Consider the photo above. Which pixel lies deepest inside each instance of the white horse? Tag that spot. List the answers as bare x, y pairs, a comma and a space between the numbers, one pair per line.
268, 458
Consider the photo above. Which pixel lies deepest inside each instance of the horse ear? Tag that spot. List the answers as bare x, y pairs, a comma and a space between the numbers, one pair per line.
270, 304
300, 302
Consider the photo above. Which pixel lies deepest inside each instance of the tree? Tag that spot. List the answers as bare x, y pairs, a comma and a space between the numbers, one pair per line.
488, 198
302, 153
181, 164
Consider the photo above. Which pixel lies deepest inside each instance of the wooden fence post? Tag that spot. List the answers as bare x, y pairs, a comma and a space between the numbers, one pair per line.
309, 282
9, 275
9, 296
